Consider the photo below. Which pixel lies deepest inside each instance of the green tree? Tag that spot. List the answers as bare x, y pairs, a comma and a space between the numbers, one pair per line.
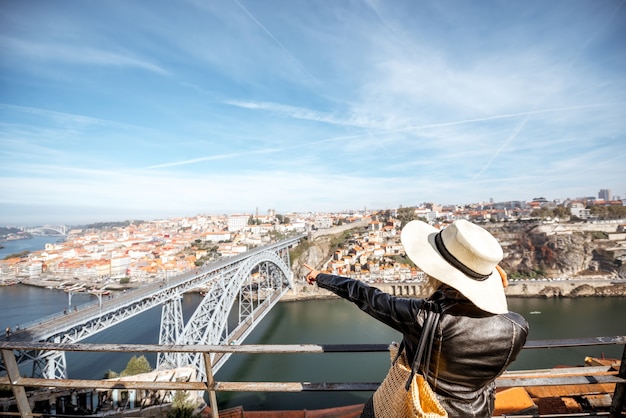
616, 212
608, 212
541, 213
406, 215
298, 250
385, 216
181, 406
136, 365
17, 255
601, 212
561, 212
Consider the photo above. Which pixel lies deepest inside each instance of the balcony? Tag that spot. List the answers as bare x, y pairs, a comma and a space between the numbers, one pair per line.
601, 388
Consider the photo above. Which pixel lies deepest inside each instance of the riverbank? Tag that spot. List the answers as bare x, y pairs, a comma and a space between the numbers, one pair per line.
572, 288
544, 288
331, 321
79, 285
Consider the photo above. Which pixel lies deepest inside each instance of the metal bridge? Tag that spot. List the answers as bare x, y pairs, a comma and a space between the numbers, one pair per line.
256, 279
41, 230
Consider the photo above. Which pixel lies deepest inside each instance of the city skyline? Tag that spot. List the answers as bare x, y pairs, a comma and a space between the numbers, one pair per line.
123, 110
484, 204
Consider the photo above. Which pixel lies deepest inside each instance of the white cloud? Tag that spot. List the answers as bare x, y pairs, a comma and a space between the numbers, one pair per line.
74, 54
295, 106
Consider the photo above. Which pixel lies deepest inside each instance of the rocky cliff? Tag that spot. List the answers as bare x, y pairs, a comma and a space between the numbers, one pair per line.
569, 260
569, 250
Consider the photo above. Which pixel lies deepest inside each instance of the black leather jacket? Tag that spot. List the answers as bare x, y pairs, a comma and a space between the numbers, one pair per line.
471, 348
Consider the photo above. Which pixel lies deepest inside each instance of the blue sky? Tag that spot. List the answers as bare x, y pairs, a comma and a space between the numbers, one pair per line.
114, 110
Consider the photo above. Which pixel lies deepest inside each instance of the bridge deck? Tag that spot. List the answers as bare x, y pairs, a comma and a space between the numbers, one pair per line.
265, 269
149, 295
81, 315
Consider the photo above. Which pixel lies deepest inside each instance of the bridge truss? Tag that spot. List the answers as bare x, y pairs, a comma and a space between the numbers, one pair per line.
57, 229
257, 283
256, 280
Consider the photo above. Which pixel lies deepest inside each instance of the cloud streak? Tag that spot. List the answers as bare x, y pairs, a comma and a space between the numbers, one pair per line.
60, 117
74, 54
112, 109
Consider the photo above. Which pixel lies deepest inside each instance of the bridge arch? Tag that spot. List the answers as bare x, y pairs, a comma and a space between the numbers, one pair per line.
263, 273
57, 229
256, 284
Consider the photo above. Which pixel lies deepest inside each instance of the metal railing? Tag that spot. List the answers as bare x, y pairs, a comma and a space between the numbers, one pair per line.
18, 383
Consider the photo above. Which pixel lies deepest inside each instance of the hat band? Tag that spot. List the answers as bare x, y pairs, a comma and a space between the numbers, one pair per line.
456, 263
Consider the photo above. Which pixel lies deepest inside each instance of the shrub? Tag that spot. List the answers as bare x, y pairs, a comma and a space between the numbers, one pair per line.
136, 365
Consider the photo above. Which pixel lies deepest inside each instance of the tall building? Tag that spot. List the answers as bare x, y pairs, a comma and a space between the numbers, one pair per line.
237, 222
605, 194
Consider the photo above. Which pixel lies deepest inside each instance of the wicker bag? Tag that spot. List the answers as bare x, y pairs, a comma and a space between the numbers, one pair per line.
405, 393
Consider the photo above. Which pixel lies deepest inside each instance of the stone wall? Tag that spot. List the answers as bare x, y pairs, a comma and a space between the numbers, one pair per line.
518, 288
566, 288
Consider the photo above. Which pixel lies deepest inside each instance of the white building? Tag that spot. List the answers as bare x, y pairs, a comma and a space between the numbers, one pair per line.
578, 210
237, 222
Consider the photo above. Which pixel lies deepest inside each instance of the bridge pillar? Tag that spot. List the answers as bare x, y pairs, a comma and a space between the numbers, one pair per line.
257, 283
172, 326
55, 366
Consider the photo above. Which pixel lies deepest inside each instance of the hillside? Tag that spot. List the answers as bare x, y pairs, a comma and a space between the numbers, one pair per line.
584, 254
561, 250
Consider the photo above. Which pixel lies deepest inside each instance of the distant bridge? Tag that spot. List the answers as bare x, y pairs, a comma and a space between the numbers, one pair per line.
46, 229
256, 279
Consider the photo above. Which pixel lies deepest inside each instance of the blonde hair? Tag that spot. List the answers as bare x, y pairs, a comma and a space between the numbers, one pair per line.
429, 286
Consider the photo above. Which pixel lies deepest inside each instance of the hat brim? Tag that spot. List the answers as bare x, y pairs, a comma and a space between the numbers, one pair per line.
418, 239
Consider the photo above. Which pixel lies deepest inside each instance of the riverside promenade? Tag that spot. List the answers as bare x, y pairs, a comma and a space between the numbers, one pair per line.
597, 285
543, 288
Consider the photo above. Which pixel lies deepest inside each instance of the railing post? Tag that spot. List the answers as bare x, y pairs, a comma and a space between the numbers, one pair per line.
210, 380
14, 381
619, 396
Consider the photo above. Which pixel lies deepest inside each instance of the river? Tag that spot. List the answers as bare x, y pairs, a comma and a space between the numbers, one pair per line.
317, 322
31, 244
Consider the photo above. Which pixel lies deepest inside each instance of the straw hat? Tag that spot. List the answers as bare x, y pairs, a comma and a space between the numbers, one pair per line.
463, 255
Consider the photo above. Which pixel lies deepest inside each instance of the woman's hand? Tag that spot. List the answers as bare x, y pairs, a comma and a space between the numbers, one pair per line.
311, 275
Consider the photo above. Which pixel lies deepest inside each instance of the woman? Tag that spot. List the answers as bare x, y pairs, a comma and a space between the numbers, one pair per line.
477, 337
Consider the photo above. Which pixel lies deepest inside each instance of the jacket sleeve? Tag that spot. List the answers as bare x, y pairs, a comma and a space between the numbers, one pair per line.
398, 313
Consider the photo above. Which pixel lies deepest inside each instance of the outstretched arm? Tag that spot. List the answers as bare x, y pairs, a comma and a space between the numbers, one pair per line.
398, 313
